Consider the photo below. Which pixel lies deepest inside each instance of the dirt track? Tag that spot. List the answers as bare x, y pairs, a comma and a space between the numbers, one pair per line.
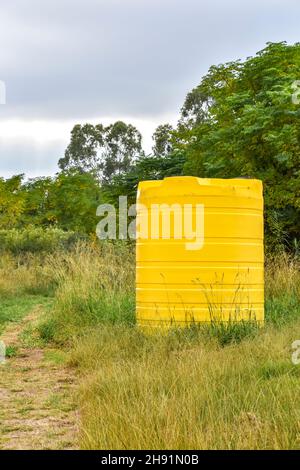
36, 394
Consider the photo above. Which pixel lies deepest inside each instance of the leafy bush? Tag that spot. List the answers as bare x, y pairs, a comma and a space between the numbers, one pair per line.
37, 239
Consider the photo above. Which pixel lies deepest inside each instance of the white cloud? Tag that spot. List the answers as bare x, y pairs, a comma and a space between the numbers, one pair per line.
34, 147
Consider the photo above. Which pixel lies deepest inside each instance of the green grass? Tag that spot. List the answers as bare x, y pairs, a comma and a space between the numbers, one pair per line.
271, 370
223, 386
55, 356
94, 287
282, 310
13, 309
229, 332
11, 351
219, 386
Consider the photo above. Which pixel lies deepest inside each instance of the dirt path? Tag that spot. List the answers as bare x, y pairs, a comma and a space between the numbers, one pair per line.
36, 394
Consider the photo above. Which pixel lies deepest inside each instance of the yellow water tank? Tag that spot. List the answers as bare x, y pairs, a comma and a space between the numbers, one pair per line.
199, 253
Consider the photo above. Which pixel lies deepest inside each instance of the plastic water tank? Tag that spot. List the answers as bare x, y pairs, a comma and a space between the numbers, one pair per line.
199, 253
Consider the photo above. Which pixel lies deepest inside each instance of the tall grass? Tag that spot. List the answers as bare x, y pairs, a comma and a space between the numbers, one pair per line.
282, 289
161, 392
183, 389
226, 386
26, 274
95, 285
33, 239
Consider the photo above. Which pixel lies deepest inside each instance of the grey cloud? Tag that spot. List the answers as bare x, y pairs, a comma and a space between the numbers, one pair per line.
72, 58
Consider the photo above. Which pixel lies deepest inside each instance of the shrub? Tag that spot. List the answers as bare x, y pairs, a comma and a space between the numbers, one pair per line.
37, 240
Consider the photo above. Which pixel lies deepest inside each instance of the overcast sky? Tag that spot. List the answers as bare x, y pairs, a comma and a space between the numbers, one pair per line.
70, 61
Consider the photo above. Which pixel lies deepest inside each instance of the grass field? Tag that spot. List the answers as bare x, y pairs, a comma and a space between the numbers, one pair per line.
231, 388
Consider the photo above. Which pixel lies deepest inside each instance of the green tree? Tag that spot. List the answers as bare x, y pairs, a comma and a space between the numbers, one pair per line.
11, 201
162, 137
102, 151
74, 198
146, 168
37, 207
241, 121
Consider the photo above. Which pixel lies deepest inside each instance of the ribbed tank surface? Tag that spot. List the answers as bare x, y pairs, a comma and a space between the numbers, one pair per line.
199, 253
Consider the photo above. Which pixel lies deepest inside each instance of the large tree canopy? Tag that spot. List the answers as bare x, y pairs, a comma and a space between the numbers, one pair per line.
68, 201
102, 151
150, 167
241, 121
